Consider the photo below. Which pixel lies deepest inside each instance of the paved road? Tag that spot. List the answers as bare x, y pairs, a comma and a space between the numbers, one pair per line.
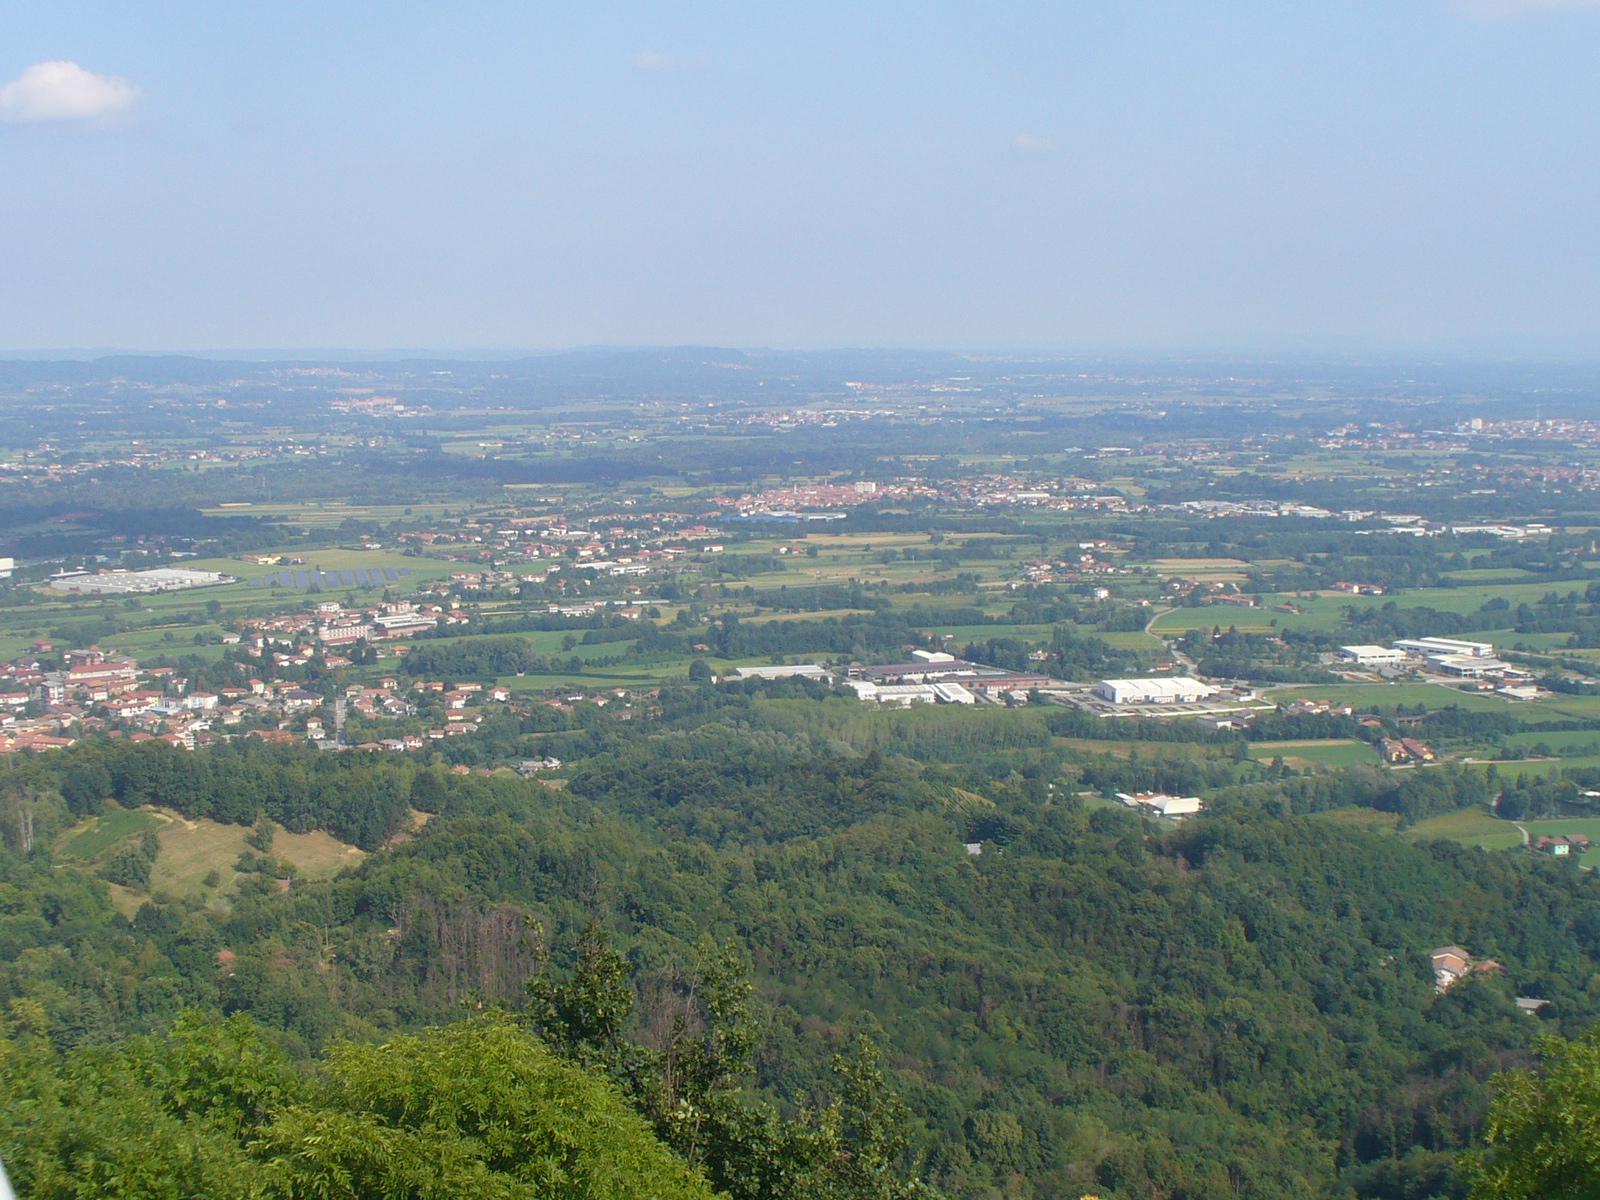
1178, 656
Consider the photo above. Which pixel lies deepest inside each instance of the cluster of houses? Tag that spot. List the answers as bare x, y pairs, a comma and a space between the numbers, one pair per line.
97, 692
94, 691
1405, 750
1089, 563
619, 543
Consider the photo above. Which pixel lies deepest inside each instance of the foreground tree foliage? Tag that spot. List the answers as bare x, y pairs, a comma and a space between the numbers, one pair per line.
480, 1108
1544, 1128
694, 1086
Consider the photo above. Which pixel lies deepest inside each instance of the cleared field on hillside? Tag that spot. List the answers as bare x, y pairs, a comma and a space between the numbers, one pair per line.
191, 849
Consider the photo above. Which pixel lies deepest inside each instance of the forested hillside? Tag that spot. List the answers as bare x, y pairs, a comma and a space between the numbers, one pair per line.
1243, 1006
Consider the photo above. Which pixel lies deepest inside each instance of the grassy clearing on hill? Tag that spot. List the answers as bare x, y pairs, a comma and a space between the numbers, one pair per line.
191, 849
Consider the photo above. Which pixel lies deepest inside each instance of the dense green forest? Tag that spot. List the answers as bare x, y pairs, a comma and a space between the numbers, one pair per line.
1243, 1006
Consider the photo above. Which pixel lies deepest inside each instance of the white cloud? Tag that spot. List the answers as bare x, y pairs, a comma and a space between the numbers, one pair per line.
63, 91
1503, 10
1032, 143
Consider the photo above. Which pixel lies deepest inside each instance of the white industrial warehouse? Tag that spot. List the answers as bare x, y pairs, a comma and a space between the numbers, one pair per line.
1179, 689
1433, 647
1374, 656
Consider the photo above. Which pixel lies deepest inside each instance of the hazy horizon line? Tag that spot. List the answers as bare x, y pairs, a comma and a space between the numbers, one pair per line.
1478, 352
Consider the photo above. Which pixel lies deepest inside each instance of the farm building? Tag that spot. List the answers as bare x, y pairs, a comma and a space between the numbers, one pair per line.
1162, 805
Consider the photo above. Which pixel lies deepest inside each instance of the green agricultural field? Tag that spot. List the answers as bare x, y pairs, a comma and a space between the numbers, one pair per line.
1565, 741
1228, 616
1489, 575
1220, 570
329, 558
1538, 767
1129, 640
174, 640
1561, 826
1332, 752
1578, 708
814, 614
1391, 695
811, 572
645, 673
1471, 827
1528, 641
328, 514
979, 633
13, 643
864, 542
1477, 827
1144, 750
1325, 612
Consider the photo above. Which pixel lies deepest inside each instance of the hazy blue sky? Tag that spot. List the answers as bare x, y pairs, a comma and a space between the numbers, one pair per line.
1300, 173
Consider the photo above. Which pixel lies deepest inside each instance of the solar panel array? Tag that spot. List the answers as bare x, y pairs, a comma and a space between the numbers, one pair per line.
331, 580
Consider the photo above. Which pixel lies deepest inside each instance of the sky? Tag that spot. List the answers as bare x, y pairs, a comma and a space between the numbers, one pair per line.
1319, 175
